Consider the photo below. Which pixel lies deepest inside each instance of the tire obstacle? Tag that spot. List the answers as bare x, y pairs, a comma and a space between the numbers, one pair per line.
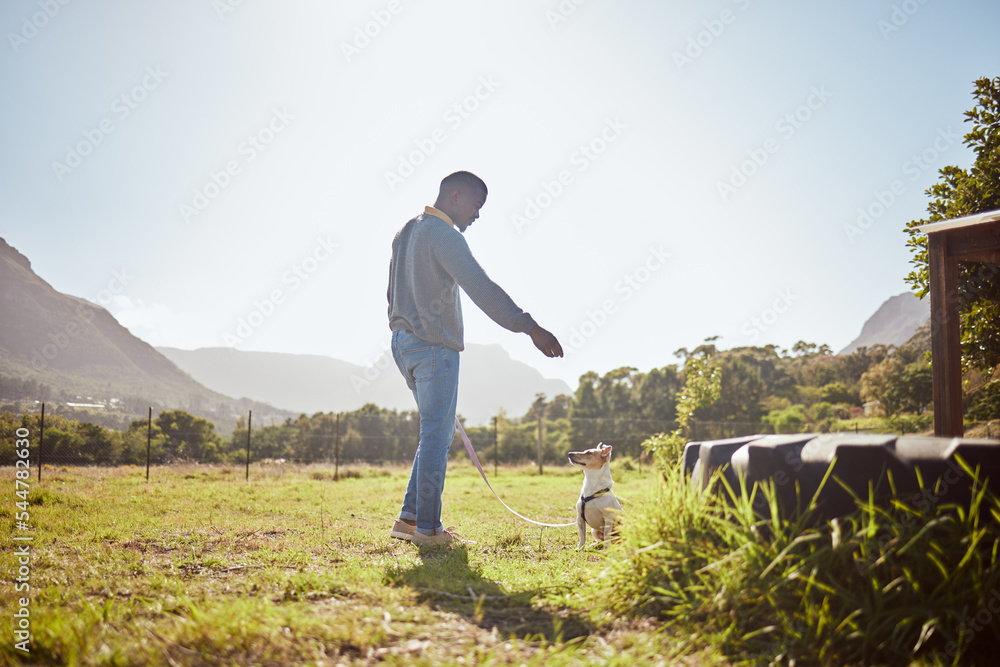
922, 469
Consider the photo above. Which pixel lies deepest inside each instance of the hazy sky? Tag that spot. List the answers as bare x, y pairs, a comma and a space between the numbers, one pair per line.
233, 172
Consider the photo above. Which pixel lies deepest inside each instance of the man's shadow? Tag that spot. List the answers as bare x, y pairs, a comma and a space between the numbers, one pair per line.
444, 581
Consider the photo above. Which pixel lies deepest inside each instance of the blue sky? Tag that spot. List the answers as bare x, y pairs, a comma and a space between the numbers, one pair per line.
232, 173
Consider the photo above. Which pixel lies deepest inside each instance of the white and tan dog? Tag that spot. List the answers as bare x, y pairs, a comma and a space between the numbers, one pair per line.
597, 505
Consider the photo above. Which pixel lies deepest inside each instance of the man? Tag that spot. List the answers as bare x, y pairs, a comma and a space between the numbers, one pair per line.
430, 261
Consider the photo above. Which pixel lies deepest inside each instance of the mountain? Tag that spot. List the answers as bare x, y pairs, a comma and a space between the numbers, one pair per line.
80, 351
893, 323
489, 380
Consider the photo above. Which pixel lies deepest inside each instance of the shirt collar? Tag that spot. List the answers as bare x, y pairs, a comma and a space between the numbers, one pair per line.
430, 210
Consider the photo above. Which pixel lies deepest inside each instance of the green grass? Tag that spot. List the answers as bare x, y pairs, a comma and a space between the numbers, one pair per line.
199, 566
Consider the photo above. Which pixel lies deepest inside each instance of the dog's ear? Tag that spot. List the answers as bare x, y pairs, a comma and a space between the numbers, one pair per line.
606, 451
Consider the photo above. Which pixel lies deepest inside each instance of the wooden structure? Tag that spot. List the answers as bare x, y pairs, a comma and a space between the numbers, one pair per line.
974, 238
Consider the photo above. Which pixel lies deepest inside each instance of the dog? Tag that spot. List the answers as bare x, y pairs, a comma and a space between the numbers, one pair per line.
597, 505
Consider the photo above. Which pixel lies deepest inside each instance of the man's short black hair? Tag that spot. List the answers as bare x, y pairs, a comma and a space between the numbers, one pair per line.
463, 179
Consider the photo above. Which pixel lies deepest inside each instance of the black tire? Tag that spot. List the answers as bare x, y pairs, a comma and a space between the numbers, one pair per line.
796, 465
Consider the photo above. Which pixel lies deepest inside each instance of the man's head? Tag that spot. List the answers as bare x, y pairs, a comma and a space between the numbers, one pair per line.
461, 196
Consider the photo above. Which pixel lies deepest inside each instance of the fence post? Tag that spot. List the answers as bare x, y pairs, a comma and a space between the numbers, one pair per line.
249, 419
149, 437
41, 439
336, 450
496, 447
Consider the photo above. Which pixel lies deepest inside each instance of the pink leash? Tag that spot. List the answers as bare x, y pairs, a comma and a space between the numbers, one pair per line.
475, 459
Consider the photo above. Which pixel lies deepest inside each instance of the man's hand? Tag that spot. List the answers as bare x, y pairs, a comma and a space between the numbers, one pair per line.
545, 342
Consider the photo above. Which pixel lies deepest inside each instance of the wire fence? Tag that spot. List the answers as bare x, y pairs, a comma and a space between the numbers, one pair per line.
373, 437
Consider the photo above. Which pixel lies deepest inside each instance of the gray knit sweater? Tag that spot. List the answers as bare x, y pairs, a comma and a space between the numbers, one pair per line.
430, 260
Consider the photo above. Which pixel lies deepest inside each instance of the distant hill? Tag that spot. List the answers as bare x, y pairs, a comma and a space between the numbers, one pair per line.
893, 323
489, 380
78, 349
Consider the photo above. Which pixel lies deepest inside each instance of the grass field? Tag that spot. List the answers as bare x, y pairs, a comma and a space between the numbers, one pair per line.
200, 566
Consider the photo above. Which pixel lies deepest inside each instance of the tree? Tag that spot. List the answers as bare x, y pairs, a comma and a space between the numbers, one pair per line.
803, 347
558, 407
266, 442
914, 387
836, 392
961, 192
64, 446
141, 436
748, 376
189, 437
986, 402
850, 367
657, 394
316, 437
536, 410
584, 412
879, 386
702, 387
100, 445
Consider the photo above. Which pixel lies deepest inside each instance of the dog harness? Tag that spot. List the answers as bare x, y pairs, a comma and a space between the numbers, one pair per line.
587, 499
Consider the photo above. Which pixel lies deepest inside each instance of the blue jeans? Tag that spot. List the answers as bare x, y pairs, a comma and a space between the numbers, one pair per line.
431, 373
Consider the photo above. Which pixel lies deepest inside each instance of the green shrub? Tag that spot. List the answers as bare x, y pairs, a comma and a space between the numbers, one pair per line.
789, 420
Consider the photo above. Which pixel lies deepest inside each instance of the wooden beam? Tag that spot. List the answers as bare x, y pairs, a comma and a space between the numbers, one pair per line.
967, 240
946, 349
984, 256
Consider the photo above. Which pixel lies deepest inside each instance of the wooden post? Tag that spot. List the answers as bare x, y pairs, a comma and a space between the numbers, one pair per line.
336, 450
496, 447
946, 349
149, 437
41, 439
249, 420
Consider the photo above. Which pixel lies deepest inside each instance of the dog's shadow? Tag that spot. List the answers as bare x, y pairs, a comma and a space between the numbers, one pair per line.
445, 581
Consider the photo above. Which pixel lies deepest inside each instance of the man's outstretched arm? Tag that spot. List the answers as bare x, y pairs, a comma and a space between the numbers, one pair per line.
545, 342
